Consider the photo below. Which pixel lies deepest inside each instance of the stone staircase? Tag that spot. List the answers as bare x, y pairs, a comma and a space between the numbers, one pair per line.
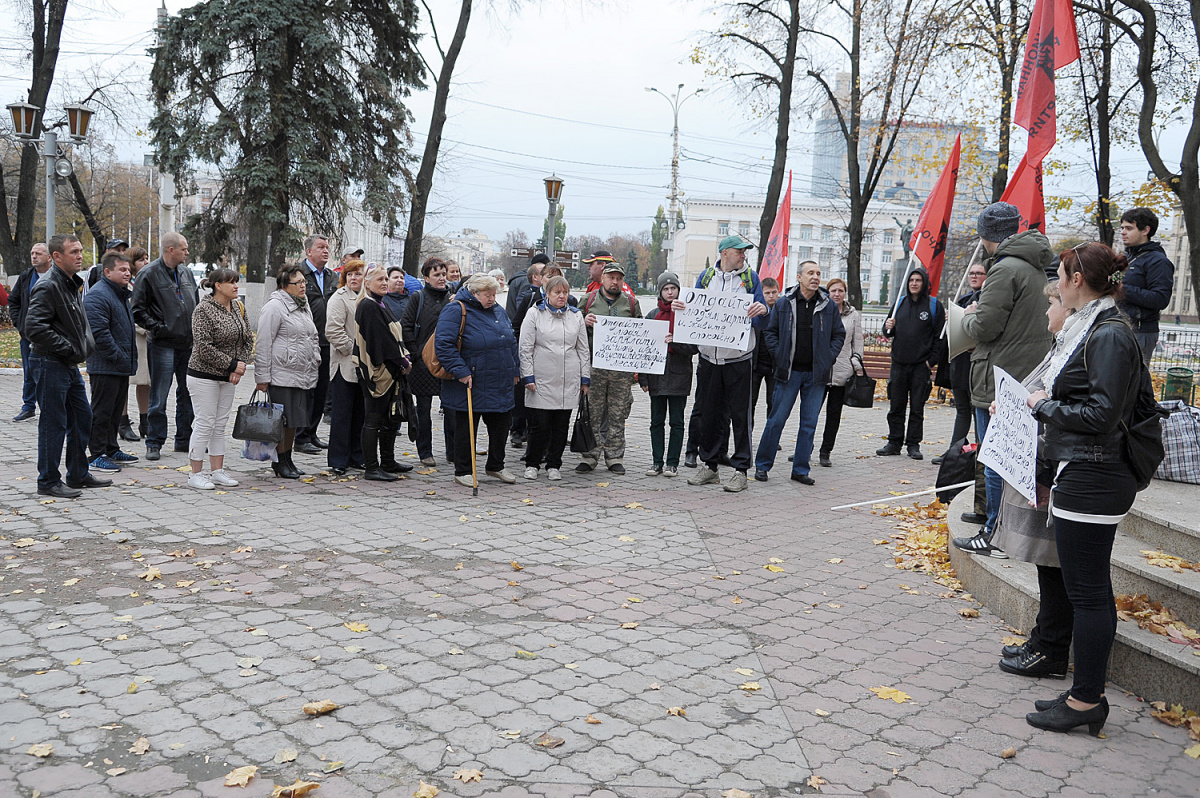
1166, 517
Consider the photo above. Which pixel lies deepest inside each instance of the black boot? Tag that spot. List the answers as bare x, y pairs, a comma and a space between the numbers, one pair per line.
283, 467
1062, 718
387, 455
292, 464
142, 423
126, 430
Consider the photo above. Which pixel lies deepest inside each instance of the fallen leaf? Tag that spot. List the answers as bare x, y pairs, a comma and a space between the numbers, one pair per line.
736, 599
240, 777
546, 741
743, 671
627, 539
468, 776
821, 713
592, 719
750, 686
78, 661
601, 484
571, 665
521, 654
654, 686
773, 568
353, 649
115, 771
634, 506
175, 746
249, 662
776, 560
424, 791
41, 749
132, 688
140, 746
185, 583
1193, 752
296, 790
1008, 753
285, 755
456, 651
334, 767
634, 599
561, 537
151, 574
835, 560
677, 711
355, 626
259, 632
526, 501
510, 734
319, 707
516, 566
816, 781
736, 793
969, 612
630, 625
70, 582
891, 692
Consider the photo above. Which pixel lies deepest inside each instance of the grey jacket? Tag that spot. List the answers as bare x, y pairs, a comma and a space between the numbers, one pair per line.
853, 345
340, 331
287, 353
554, 356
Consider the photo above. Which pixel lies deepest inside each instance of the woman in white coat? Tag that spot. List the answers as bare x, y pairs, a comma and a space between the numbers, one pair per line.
843, 369
555, 368
346, 423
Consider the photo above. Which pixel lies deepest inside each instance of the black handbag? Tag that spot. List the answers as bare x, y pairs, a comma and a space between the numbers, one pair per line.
860, 391
958, 466
583, 440
1144, 433
259, 421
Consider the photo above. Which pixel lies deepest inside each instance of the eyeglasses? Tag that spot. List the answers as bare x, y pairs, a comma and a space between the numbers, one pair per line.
297, 282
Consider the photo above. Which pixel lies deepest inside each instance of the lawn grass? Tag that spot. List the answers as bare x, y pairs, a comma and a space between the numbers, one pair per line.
10, 348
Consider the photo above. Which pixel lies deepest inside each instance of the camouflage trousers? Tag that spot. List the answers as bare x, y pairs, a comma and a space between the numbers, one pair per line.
610, 398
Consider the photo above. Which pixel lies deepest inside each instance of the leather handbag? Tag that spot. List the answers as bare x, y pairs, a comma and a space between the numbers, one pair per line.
259, 421
583, 440
429, 353
1144, 433
860, 391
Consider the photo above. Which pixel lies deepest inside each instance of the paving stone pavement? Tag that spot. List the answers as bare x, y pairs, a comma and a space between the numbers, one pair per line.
634, 594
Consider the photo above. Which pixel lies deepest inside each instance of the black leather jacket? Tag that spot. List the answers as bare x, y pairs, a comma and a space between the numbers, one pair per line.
164, 307
55, 322
1087, 403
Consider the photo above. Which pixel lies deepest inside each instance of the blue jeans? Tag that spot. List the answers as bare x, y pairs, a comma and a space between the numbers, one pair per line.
991, 479
167, 364
66, 414
31, 366
811, 393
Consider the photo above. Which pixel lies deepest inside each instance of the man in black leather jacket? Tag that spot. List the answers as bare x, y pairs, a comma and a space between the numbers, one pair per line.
1149, 279
58, 332
164, 296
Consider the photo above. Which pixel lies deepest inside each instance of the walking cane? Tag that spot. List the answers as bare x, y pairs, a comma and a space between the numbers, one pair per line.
471, 429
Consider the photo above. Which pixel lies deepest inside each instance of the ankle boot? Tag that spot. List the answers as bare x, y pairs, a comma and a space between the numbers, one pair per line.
142, 424
1062, 718
292, 464
283, 468
126, 430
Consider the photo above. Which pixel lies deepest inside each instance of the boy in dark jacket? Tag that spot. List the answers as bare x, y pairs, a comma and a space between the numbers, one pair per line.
764, 361
1149, 280
915, 327
669, 390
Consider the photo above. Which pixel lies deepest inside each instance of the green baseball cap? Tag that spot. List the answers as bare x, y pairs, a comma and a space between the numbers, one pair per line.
733, 242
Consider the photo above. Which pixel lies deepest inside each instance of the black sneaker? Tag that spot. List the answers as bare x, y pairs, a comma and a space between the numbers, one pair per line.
975, 518
914, 451
1035, 663
583, 468
825, 460
891, 450
1012, 652
980, 544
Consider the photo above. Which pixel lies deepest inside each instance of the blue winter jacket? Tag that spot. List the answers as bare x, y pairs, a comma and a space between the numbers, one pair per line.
1147, 285
827, 332
489, 354
111, 319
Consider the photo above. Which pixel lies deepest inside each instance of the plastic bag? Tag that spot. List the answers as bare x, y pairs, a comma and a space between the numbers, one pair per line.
258, 450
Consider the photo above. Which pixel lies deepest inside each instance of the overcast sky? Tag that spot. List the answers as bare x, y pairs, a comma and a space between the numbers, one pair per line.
558, 88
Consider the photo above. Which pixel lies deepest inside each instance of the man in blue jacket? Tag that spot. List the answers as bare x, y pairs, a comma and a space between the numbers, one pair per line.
18, 302
112, 362
1149, 279
805, 334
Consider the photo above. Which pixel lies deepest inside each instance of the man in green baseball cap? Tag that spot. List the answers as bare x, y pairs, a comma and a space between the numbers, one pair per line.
733, 242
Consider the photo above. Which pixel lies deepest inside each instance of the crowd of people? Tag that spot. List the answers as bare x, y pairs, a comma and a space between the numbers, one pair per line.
371, 347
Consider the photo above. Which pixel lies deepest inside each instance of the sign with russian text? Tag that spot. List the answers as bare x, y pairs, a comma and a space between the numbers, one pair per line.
1010, 445
636, 345
714, 318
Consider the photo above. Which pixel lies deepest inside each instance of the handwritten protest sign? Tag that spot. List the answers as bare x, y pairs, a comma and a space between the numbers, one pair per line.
630, 345
1010, 445
714, 318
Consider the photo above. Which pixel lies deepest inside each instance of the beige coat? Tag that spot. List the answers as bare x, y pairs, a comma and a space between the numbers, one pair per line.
340, 331
853, 345
554, 356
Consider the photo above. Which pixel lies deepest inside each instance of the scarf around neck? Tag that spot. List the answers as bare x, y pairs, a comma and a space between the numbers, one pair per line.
1074, 333
301, 301
666, 313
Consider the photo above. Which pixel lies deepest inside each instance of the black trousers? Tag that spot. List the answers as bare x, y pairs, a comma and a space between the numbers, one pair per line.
378, 434
425, 429
835, 399
726, 404
909, 385
110, 394
1051, 634
547, 436
1085, 551
464, 446
521, 417
346, 424
964, 414
755, 384
695, 428
316, 399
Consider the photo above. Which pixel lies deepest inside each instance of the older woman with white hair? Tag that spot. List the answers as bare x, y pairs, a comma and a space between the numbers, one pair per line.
475, 343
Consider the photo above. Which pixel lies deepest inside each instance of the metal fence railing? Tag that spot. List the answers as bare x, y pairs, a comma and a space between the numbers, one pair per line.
1177, 347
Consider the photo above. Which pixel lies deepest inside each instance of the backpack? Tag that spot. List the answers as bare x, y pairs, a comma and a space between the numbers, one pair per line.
711, 272
429, 355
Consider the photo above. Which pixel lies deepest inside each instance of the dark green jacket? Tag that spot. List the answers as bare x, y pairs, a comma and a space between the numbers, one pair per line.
1010, 324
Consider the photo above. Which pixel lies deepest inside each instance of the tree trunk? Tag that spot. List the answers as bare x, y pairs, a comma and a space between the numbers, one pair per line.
858, 206
256, 249
1104, 117
1000, 176
782, 129
81, 202
433, 142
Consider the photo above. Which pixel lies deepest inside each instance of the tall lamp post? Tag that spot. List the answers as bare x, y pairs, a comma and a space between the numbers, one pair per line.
554, 186
58, 167
673, 197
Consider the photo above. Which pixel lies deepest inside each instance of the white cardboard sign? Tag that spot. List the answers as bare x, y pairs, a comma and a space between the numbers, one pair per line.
637, 345
714, 318
1010, 446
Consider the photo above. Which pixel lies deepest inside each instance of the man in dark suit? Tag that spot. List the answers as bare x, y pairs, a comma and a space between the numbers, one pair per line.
320, 285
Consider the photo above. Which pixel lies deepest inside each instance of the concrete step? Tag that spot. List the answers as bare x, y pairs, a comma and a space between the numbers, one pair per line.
1144, 663
1167, 516
1133, 574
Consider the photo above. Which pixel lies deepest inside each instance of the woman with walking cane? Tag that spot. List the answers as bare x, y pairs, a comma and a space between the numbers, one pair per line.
474, 342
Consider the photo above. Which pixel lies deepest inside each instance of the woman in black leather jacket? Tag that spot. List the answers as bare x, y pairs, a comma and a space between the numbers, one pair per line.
1094, 377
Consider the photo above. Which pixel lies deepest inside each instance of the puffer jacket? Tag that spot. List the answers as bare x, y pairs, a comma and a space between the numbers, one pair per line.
1010, 322
107, 308
1088, 403
1147, 285
676, 380
554, 357
827, 334
163, 302
418, 323
221, 339
489, 355
55, 322
340, 333
287, 354
853, 345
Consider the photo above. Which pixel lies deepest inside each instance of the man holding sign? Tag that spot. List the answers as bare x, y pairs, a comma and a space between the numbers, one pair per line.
726, 372
611, 396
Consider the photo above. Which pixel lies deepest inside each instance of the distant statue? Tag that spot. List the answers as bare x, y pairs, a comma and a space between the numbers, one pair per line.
906, 231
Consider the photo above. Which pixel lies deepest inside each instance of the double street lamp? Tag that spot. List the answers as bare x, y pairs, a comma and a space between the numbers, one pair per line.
676, 102
58, 167
554, 186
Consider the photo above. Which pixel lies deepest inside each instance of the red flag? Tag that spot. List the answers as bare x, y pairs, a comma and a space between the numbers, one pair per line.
1053, 43
1025, 191
928, 243
774, 257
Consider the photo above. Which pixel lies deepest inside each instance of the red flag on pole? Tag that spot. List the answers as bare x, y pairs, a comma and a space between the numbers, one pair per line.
1025, 191
928, 243
1052, 44
774, 257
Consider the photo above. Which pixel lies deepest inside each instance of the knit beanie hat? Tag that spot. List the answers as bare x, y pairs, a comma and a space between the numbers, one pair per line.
998, 221
667, 278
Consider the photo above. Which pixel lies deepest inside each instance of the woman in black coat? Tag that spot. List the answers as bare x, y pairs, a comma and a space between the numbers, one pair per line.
419, 323
1095, 377
382, 364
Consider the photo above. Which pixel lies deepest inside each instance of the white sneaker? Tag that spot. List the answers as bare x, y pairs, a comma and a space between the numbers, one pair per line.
670, 471
531, 473
221, 477
200, 482
464, 480
553, 474
504, 475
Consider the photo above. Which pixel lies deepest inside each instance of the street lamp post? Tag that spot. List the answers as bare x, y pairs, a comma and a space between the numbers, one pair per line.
673, 197
58, 167
554, 186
